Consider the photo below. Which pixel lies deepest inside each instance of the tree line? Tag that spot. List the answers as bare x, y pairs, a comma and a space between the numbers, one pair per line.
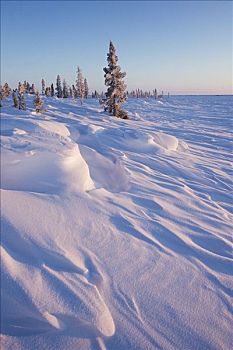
112, 99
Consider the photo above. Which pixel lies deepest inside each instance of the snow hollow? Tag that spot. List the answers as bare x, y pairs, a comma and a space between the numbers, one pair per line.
116, 234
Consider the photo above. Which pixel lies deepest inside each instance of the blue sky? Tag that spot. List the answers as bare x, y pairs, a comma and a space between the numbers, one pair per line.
184, 47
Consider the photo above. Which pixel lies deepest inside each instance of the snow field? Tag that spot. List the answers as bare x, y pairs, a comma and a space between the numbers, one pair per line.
116, 234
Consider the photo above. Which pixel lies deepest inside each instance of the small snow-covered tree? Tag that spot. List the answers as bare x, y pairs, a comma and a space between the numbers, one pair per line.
65, 89
47, 91
43, 86
38, 102
115, 94
1, 95
33, 89
25, 85
28, 88
80, 85
86, 89
74, 91
52, 90
21, 88
59, 88
95, 94
22, 102
6, 90
15, 99
71, 92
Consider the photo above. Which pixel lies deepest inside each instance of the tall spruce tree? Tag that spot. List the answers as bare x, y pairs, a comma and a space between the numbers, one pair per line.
86, 89
43, 86
65, 89
80, 85
115, 94
59, 88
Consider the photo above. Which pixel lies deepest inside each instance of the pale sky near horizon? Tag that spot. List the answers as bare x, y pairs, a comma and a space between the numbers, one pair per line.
184, 47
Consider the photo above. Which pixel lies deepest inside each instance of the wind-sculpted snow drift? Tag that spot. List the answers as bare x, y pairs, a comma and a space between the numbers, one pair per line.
116, 234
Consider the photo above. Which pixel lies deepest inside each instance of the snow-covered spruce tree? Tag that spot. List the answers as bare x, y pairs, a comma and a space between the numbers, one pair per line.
74, 91
1, 95
155, 93
43, 86
38, 102
80, 85
59, 88
47, 91
22, 102
65, 89
33, 89
86, 89
28, 88
115, 94
15, 99
25, 85
6, 90
52, 90
71, 92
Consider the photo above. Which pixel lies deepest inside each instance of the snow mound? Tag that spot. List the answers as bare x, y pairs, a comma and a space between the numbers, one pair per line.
106, 173
76, 174
168, 142
135, 140
39, 156
46, 172
19, 131
54, 127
